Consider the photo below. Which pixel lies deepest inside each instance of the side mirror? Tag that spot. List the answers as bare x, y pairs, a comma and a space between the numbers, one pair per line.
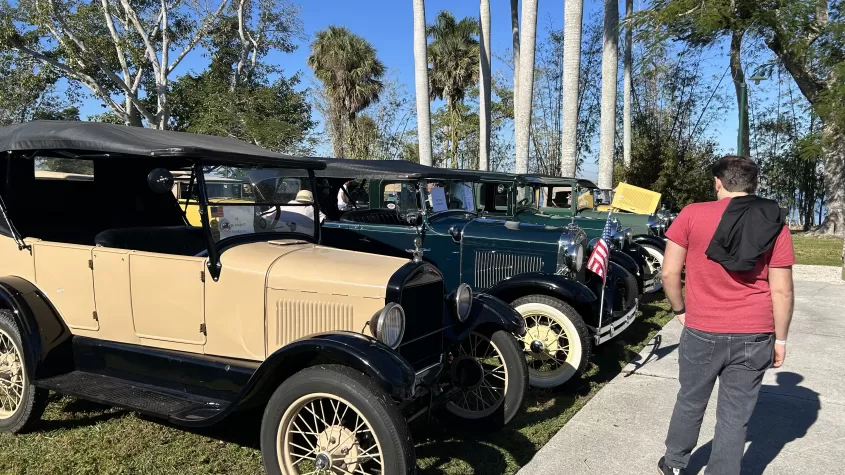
414, 219
160, 180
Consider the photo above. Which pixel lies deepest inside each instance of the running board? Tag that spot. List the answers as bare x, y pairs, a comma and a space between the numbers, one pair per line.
178, 407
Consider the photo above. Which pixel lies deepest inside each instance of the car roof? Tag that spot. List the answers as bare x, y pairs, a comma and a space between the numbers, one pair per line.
99, 140
386, 169
556, 180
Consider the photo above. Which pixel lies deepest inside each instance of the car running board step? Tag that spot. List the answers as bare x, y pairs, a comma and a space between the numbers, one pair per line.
178, 407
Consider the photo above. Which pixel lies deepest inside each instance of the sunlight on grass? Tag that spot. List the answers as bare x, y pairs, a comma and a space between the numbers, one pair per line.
823, 251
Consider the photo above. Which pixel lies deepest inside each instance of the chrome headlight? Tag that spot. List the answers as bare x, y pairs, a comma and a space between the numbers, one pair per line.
570, 252
619, 240
656, 225
463, 301
388, 325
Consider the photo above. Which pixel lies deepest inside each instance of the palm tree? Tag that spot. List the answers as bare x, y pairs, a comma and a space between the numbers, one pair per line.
528, 38
351, 74
627, 61
484, 83
454, 57
609, 70
421, 82
573, 18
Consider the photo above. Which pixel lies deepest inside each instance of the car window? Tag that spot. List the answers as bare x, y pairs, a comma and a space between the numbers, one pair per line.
247, 200
492, 197
446, 195
400, 195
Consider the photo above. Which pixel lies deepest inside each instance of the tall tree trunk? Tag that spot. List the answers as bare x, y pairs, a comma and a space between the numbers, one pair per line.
515, 38
627, 61
526, 83
132, 114
609, 72
337, 132
485, 98
739, 83
421, 83
834, 180
572, 22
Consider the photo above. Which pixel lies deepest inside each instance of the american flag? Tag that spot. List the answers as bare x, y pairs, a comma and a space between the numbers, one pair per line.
601, 252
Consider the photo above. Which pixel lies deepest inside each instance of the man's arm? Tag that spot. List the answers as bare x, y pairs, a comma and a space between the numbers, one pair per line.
673, 266
780, 284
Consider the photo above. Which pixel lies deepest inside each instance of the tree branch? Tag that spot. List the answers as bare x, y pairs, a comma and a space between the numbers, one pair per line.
198, 36
151, 53
120, 56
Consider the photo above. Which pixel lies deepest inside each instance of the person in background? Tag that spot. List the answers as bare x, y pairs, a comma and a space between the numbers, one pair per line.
736, 312
343, 198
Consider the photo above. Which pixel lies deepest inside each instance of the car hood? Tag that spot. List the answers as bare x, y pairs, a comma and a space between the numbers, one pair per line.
313, 268
511, 233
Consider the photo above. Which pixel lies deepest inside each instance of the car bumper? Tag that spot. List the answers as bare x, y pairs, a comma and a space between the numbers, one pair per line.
650, 285
621, 321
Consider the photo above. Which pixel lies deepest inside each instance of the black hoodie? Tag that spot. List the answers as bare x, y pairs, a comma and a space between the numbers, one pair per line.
747, 230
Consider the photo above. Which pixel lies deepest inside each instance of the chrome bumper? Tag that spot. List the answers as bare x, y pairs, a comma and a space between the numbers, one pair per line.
617, 326
650, 285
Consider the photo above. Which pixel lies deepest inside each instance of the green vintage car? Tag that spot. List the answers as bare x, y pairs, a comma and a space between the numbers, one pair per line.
563, 196
497, 195
538, 269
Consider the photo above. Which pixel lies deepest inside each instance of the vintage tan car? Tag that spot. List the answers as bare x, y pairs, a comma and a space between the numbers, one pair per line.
107, 293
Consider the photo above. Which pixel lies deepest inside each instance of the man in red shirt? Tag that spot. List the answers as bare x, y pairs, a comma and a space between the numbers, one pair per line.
736, 311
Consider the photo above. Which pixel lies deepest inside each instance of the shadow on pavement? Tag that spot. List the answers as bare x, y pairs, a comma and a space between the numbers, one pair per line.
656, 352
777, 420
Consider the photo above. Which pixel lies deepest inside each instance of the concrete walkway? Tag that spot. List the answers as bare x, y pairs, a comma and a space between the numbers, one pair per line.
797, 428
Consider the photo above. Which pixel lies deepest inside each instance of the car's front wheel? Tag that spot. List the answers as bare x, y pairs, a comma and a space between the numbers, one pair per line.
654, 264
494, 394
21, 403
556, 343
334, 420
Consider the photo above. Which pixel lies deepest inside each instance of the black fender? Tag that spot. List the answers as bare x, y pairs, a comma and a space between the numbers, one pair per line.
629, 264
487, 315
45, 338
575, 293
651, 241
360, 352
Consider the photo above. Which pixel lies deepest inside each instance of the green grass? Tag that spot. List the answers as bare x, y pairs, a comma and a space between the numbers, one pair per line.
823, 251
77, 437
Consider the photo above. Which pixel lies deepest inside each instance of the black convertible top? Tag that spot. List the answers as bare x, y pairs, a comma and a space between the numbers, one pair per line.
557, 180
400, 169
93, 138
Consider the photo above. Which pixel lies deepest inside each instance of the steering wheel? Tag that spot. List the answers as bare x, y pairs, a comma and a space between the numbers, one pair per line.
523, 202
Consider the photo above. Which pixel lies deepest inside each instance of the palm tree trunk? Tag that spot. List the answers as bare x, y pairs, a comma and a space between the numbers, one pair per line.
484, 82
515, 35
609, 71
739, 82
421, 83
627, 84
453, 131
573, 18
526, 83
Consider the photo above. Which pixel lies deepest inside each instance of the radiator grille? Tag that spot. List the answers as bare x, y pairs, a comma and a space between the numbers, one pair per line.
492, 267
422, 299
299, 318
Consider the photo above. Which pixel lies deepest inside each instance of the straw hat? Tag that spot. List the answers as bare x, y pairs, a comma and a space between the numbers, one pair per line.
304, 196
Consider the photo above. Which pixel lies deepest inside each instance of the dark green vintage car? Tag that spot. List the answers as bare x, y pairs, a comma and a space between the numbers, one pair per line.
497, 195
562, 196
538, 269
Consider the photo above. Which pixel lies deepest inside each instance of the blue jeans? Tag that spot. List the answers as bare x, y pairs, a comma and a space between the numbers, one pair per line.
738, 361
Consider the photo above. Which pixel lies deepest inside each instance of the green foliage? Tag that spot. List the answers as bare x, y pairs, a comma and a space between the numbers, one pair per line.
28, 92
66, 165
454, 57
351, 74
271, 115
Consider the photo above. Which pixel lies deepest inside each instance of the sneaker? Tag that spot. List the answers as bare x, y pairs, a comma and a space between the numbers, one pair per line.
665, 470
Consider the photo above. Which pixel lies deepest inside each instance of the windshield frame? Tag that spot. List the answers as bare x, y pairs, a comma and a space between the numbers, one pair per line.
216, 248
428, 209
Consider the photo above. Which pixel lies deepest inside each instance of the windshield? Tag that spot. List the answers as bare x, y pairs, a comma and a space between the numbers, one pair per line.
603, 197
446, 195
259, 200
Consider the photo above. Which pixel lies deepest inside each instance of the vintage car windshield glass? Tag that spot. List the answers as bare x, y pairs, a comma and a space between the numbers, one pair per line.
449, 195
247, 200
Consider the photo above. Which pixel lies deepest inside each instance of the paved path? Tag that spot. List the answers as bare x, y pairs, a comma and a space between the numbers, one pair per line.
797, 428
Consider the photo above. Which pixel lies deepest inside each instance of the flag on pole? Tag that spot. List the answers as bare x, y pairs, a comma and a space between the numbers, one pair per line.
598, 260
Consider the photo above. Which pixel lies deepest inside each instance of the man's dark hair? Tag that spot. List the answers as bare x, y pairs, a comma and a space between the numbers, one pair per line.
737, 173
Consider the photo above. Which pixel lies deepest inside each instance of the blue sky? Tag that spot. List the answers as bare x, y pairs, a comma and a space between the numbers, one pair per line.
388, 25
